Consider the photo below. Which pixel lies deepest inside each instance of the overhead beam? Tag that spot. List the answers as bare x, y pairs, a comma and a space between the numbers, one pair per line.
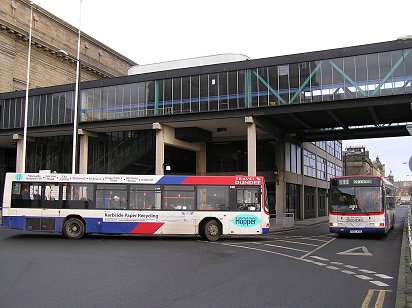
337, 120
374, 115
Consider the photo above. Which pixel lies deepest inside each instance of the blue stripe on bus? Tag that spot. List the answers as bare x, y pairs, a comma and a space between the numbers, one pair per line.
171, 179
265, 230
93, 225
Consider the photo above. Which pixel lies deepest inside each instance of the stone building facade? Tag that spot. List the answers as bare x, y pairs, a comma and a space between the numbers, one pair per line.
356, 161
54, 50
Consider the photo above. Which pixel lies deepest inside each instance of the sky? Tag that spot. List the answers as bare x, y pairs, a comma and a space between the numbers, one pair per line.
163, 30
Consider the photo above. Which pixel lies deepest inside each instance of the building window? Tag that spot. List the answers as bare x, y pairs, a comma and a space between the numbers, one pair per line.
331, 147
321, 168
331, 171
321, 145
293, 158
338, 150
309, 163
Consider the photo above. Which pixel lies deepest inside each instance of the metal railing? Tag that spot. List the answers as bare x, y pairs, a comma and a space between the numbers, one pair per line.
283, 221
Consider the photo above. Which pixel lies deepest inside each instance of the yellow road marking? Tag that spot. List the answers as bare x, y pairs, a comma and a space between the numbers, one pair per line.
379, 300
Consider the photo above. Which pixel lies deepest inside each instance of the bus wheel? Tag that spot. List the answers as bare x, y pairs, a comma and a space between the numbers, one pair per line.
212, 230
73, 228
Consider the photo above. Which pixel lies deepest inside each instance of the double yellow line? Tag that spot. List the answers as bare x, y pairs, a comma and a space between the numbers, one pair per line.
379, 299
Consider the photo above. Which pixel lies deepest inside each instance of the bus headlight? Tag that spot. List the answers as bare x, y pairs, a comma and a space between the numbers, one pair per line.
333, 224
379, 224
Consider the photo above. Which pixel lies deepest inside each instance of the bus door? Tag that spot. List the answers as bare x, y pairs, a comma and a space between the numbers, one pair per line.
245, 215
51, 204
178, 209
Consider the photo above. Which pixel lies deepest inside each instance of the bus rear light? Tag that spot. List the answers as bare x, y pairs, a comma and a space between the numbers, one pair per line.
267, 225
379, 224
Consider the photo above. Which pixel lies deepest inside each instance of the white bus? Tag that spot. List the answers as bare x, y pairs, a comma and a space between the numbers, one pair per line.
80, 204
361, 204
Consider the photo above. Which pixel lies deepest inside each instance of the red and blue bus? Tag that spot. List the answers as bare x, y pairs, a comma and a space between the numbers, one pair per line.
361, 204
79, 204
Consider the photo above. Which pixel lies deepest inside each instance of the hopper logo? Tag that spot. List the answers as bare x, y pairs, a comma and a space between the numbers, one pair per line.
246, 221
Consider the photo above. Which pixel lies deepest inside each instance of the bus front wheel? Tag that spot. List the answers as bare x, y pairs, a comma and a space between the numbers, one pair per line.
212, 230
73, 228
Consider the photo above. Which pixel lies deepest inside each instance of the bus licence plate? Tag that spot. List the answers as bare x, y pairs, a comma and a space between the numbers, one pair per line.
355, 231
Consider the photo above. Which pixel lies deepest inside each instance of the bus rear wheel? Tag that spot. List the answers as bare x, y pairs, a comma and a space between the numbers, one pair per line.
212, 230
73, 228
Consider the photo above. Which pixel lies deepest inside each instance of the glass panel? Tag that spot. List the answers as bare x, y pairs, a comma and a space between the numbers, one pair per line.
178, 200
262, 87
33, 115
167, 103
134, 97
150, 102
294, 83
55, 109
204, 90
350, 80
248, 199
19, 112
233, 90
69, 106
213, 91
104, 106
186, 87
384, 87
274, 85
111, 103
283, 75
223, 91
42, 109
338, 79
119, 102
141, 106
373, 73
62, 107
254, 86
407, 54
398, 72
194, 93
49, 109
86, 105
361, 75
145, 197
177, 95
6, 121
111, 196
212, 198
97, 104
241, 89
321, 84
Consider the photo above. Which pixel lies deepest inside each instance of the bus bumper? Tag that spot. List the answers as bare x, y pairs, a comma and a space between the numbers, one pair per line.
339, 230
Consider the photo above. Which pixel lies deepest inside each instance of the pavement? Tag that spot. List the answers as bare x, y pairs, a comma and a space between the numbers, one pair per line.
404, 287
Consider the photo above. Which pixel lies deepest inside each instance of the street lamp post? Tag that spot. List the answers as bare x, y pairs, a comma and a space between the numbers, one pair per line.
76, 96
26, 104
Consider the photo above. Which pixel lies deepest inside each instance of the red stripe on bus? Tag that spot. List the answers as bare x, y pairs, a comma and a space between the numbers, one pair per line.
209, 180
357, 214
147, 227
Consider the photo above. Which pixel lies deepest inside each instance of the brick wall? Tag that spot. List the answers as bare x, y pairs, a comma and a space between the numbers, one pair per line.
48, 66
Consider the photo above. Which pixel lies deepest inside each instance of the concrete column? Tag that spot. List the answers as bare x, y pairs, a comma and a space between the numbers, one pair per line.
316, 201
251, 146
201, 160
19, 152
84, 149
160, 149
302, 202
166, 135
280, 180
